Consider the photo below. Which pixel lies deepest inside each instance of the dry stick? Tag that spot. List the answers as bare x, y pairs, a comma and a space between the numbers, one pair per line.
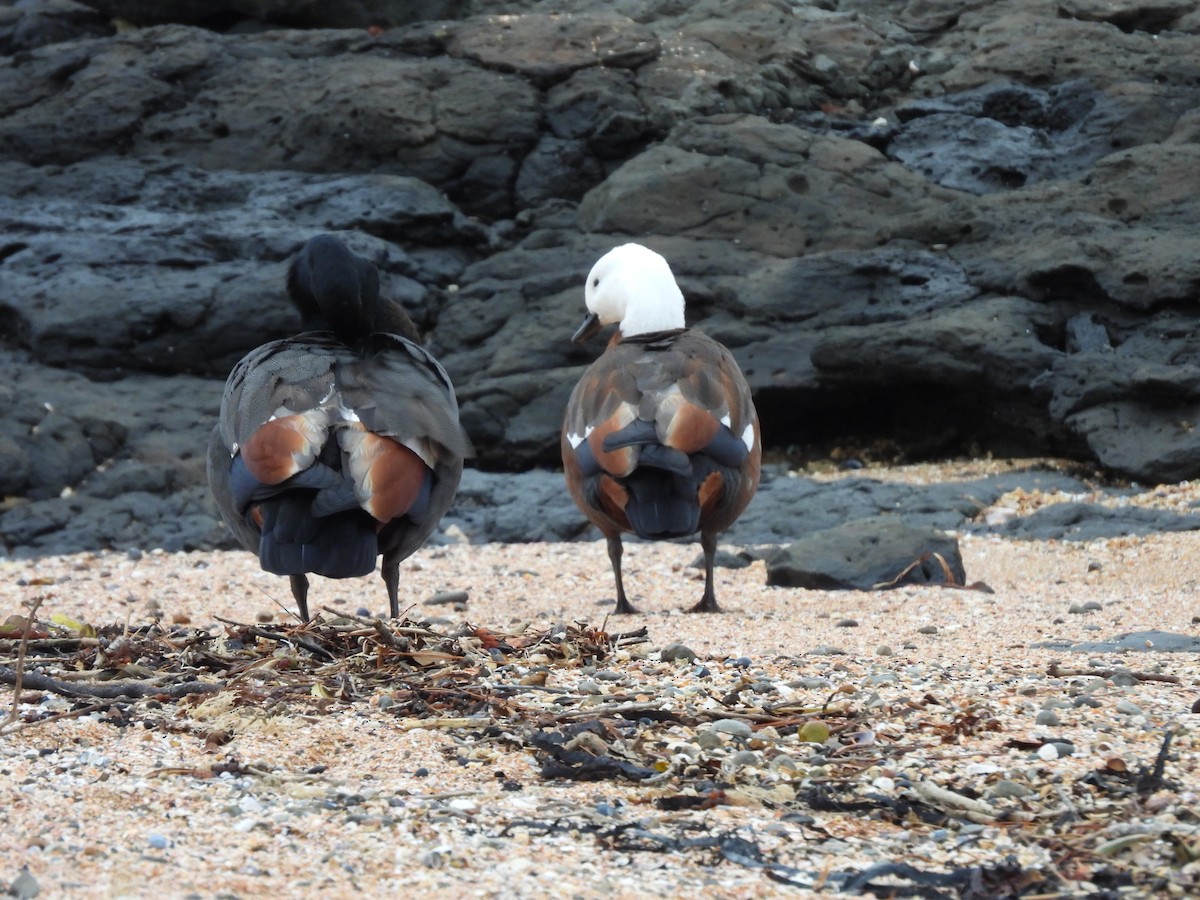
110, 690
315, 649
19, 674
1055, 672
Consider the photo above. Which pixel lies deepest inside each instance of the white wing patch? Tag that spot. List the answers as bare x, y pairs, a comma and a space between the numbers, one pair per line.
726, 421
748, 437
576, 439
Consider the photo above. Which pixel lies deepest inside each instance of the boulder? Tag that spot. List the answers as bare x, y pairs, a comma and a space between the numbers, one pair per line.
868, 554
949, 227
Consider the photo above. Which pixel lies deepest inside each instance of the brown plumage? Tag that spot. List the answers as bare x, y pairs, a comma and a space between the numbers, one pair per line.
661, 438
340, 444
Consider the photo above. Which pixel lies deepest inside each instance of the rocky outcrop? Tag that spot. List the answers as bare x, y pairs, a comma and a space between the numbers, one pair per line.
952, 226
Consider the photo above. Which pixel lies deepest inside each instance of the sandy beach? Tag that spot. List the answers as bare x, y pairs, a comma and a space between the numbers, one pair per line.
817, 741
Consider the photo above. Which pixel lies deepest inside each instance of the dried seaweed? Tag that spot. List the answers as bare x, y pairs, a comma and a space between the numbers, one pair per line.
525, 690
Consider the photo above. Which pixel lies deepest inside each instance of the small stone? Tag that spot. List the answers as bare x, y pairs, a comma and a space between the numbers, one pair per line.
927, 629
421, 772
1128, 708
846, 623
158, 842
709, 739
1076, 609
24, 886
675, 651
1093, 606
1048, 717
448, 598
1005, 790
1064, 748
745, 758
811, 683
813, 732
732, 727
264, 616
742, 662
884, 650
1122, 678
1047, 752
826, 650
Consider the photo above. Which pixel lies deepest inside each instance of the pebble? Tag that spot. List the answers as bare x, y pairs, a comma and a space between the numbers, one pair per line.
1048, 717
732, 727
927, 629
745, 758
884, 650
742, 662
811, 683
846, 623
813, 733
675, 651
1047, 752
24, 886
1122, 679
446, 598
158, 842
1005, 789
825, 650
1128, 708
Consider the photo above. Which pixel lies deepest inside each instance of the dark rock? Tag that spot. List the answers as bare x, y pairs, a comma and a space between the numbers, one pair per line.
39, 22
1088, 521
1136, 641
675, 651
1005, 135
956, 228
862, 554
326, 14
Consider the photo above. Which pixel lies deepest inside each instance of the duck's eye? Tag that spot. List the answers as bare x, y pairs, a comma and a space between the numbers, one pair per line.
596, 282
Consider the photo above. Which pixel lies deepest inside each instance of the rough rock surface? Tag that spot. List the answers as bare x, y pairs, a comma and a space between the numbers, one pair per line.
954, 227
864, 553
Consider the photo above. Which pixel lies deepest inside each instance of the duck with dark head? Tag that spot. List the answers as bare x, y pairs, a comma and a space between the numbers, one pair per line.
341, 444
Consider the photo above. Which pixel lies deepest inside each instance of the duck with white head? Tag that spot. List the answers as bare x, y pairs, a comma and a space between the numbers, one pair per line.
661, 438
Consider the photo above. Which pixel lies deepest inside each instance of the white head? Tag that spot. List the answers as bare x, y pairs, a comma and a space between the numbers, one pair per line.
633, 285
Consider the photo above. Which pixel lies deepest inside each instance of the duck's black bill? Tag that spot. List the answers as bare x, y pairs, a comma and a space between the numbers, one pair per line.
589, 327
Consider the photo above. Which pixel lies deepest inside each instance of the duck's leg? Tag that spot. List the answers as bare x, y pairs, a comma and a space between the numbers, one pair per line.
390, 570
708, 603
300, 592
614, 556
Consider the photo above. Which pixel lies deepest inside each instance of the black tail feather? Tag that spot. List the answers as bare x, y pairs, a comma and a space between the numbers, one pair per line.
661, 505
295, 542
